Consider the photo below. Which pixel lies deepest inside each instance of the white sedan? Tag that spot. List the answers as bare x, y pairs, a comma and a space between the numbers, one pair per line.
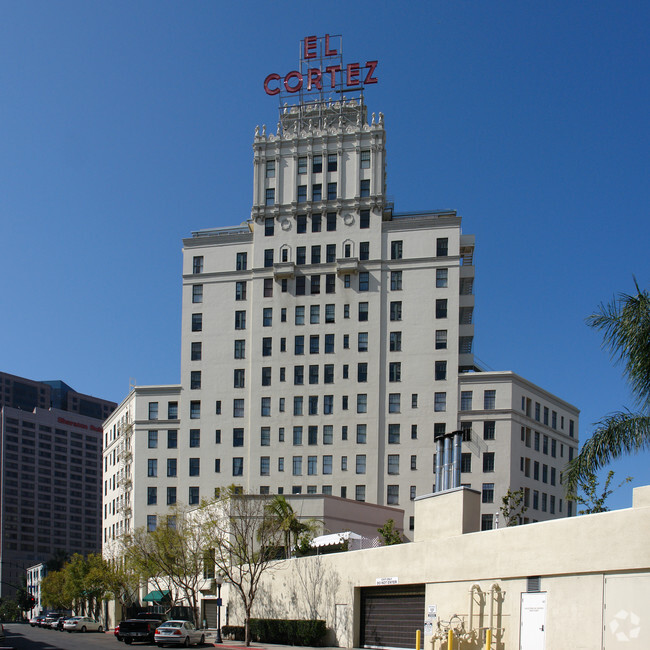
178, 633
82, 624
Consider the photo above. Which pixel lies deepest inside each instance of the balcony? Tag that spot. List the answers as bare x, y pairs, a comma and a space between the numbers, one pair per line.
284, 270
347, 265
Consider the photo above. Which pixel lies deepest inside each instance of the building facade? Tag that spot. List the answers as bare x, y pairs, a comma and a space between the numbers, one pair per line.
326, 343
50, 474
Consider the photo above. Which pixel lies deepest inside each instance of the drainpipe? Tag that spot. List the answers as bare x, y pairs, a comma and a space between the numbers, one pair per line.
447, 462
458, 439
439, 452
493, 589
471, 603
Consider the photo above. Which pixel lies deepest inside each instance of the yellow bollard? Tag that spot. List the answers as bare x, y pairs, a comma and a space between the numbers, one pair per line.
450, 640
418, 638
488, 639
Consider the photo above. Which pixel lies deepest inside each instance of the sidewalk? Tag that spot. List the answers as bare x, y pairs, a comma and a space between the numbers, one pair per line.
239, 645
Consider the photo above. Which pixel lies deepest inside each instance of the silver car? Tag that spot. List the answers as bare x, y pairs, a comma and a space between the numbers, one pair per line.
82, 624
178, 633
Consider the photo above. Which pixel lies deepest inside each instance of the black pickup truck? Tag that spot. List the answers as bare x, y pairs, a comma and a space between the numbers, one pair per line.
141, 628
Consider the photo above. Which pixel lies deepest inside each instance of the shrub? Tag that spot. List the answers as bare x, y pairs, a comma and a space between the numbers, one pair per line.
288, 632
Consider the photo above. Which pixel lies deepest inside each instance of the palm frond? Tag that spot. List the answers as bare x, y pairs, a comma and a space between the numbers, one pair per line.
619, 434
625, 325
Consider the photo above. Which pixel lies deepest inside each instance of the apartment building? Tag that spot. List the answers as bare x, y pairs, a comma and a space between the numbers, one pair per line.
326, 343
50, 474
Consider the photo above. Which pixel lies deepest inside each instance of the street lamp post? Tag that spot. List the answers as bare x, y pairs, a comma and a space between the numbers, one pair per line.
219, 581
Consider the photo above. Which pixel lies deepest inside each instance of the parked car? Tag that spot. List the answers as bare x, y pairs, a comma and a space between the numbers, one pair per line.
51, 620
116, 632
59, 623
36, 620
2, 632
141, 628
82, 624
178, 633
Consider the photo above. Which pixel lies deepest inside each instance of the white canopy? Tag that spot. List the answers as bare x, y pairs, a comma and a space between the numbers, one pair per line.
334, 538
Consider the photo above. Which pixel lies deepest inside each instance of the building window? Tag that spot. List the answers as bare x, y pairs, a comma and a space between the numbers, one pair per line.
466, 400
396, 310
152, 522
364, 250
363, 311
488, 430
270, 169
488, 493
237, 466
440, 402
317, 164
152, 467
266, 376
441, 278
313, 374
172, 467
197, 264
172, 439
487, 522
240, 320
195, 466
265, 406
269, 196
269, 227
361, 464
302, 193
441, 308
238, 408
314, 282
267, 346
488, 461
362, 403
297, 466
195, 409
197, 322
392, 495
152, 496
466, 463
364, 188
441, 370
316, 192
195, 437
441, 339
297, 405
395, 341
302, 165
330, 313
396, 250
328, 404
315, 254
171, 496
195, 379
489, 399
331, 218
316, 222
393, 434
268, 287
394, 402
299, 345
396, 280
364, 159
395, 371
152, 439
265, 466
197, 293
240, 349
364, 281
331, 191
442, 246
240, 290
301, 224
314, 344
195, 351
393, 463
267, 317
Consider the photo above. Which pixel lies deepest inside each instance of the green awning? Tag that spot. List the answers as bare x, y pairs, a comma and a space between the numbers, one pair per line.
156, 596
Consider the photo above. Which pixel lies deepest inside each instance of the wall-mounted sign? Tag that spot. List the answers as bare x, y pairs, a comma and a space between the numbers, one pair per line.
386, 581
321, 68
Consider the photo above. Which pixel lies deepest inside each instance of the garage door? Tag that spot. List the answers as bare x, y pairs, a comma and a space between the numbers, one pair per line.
391, 615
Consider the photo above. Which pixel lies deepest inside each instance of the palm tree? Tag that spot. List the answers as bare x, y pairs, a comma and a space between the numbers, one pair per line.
625, 324
288, 521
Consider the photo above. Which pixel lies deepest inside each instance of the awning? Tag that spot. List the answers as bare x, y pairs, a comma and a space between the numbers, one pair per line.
156, 596
333, 539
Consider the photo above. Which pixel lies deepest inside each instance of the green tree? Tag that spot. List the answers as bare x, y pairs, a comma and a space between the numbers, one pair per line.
53, 591
243, 531
512, 507
9, 610
389, 534
590, 495
625, 326
284, 517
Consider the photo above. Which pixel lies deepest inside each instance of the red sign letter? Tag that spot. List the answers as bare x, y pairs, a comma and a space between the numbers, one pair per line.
310, 47
314, 79
271, 77
369, 78
294, 74
329, 52
333, 69
353, 74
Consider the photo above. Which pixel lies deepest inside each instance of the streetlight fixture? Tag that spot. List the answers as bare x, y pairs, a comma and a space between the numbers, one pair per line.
219, 581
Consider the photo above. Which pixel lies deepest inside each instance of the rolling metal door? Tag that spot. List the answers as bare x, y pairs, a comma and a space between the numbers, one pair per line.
391, 615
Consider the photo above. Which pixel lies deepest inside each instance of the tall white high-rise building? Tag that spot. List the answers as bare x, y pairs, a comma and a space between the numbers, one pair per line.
326, 344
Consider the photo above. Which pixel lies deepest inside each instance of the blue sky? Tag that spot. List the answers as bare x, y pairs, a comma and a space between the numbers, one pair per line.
127, 125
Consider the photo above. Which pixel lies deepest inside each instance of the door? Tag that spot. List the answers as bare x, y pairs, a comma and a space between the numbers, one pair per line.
390, 615
626, 612
533, 621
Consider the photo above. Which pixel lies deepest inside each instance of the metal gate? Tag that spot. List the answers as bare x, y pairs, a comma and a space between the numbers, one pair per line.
390, 616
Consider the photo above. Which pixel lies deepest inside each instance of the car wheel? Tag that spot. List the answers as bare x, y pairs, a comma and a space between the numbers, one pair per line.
100, 629
202, 641
128, 641
83, 629
187, 642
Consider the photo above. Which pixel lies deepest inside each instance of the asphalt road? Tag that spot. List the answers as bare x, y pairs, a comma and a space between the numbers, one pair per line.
25, 637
